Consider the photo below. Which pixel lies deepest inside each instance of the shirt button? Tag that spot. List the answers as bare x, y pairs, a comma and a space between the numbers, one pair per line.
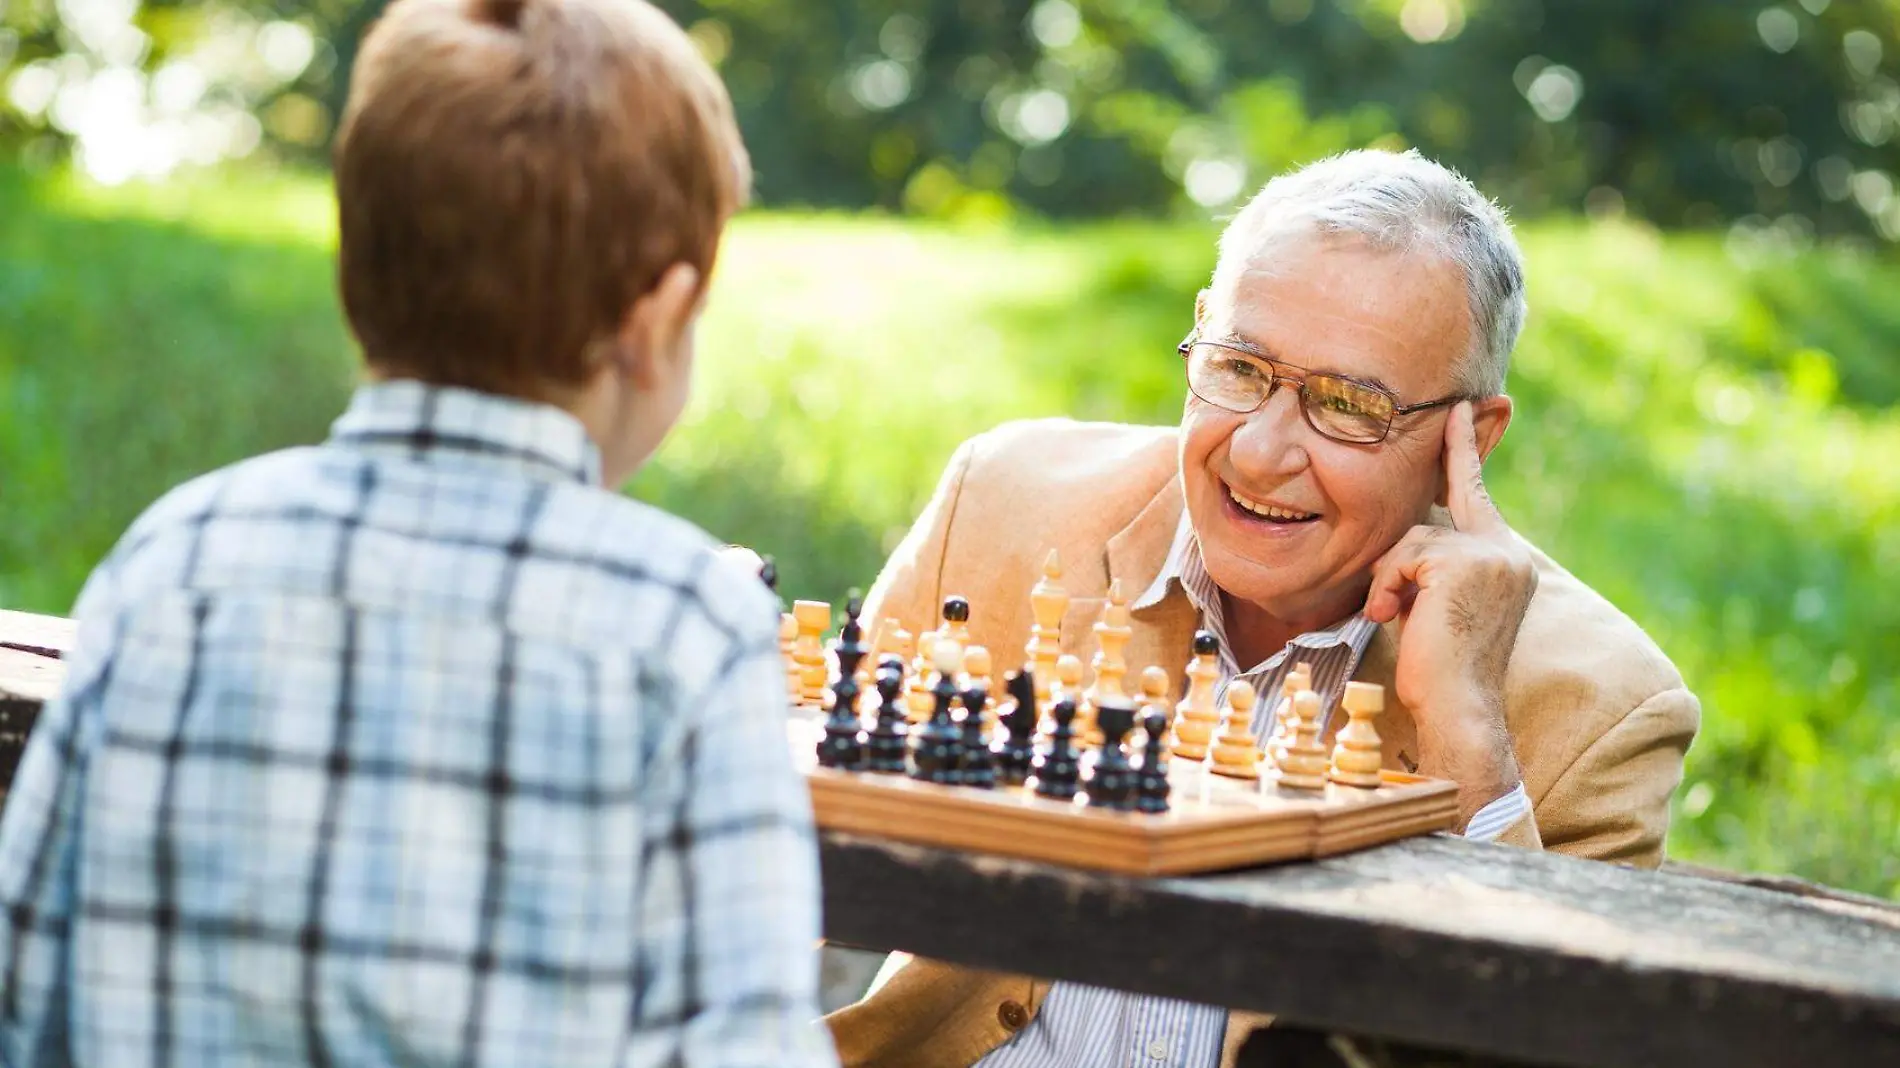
1158, 1050
1012, 1015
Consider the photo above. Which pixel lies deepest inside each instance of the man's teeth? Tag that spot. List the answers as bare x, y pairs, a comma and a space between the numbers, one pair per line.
1267, 510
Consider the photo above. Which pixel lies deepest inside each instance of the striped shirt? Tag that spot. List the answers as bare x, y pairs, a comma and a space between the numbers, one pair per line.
416, 747
1087, 1025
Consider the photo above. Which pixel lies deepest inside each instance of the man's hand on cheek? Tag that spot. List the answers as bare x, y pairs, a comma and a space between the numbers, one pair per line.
1460, 596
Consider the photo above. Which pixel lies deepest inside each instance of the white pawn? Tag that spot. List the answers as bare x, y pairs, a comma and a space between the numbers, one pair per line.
1236, 754
1304, 767
1358, 752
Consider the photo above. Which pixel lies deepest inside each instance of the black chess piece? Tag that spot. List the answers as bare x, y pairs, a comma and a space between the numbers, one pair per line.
1057, 766
956, 610
884, 744
1015, 748
844, 743
936, 746
1111, 782
1151, 783
979, 765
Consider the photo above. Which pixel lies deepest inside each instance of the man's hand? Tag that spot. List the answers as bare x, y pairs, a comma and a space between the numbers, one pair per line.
1460, 596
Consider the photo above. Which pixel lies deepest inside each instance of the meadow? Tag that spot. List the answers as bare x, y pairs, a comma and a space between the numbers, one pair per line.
1707, 431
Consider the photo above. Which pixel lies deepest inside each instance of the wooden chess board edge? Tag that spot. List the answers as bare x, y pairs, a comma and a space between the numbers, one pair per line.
1188, 840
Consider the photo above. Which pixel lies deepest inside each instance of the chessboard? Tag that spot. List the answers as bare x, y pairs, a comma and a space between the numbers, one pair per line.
1101, 776
1213, 823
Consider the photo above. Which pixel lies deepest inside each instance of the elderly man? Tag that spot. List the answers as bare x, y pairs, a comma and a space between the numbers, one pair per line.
1321, 501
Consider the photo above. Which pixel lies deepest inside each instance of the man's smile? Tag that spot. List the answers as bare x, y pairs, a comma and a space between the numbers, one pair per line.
1268, 511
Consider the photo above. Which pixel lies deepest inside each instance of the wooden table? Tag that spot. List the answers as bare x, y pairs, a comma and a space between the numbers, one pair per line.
1483, 950
1431, 951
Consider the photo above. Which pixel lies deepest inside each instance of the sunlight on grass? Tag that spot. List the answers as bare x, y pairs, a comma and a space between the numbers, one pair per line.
1712, 445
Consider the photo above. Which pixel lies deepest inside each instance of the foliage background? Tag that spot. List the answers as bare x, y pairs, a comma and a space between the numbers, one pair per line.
983, 209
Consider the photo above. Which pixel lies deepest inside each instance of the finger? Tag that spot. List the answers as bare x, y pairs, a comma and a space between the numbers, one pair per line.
1395, 574
1470, 504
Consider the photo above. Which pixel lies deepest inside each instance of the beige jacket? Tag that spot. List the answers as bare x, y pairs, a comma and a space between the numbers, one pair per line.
1600, 718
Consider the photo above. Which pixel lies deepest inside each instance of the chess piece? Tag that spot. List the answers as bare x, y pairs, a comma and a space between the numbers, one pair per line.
1236, 754
843, 744
1285, 722
1111, 781
976, 674
978, 765
1304, 766
787, 647
956, 620
936, 748
1047, 602
1015, 750
885, 743
889, 639
1196, 717
1154, 698
1357, 755
1112, 634
813, 617
1057, 767
917, 691
1151, 783
1069, 685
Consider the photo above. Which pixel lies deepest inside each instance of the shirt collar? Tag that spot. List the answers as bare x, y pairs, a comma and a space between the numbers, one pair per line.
430, 423
1185, 567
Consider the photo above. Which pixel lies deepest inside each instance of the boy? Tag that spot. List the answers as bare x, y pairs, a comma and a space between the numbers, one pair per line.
420, 746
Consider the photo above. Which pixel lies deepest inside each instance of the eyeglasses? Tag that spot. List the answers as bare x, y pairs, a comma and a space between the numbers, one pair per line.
1336, 407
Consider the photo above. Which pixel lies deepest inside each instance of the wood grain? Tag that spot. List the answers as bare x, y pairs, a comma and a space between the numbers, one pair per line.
1431, 941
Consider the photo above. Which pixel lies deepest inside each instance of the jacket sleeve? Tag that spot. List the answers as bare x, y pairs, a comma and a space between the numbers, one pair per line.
1612, 803
910, 586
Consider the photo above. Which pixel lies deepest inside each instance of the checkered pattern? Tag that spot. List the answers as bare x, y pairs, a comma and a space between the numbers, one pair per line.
1080, 1024
414, 748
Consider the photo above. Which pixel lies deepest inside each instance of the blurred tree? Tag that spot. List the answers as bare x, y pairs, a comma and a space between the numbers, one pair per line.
1778, 117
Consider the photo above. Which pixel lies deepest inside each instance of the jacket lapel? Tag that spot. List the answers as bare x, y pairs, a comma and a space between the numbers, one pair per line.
1164, 632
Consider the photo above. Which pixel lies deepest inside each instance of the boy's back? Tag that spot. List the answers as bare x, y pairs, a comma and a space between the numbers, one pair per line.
420, 747
417, 747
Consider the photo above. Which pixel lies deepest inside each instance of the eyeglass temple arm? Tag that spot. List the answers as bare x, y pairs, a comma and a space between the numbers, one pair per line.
1407, 409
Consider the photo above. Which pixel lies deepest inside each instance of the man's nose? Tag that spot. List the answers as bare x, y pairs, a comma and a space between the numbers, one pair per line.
1271, 440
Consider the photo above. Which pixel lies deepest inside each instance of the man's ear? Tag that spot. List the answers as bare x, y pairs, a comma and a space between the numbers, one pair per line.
1489, 418
649, 338
1200, 308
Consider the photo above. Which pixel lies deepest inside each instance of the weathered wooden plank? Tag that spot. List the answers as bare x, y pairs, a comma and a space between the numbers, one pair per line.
1436, 941
29, 676
45, 635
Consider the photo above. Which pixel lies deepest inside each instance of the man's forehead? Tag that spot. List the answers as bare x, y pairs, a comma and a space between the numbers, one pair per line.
1396, 319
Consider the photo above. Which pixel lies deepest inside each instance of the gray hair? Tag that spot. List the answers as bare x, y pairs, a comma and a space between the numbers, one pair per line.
1400, 202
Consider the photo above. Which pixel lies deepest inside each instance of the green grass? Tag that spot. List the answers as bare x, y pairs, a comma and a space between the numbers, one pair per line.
1711, 444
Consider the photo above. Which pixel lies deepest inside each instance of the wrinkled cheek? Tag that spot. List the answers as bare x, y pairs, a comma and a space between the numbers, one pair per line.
1204, 430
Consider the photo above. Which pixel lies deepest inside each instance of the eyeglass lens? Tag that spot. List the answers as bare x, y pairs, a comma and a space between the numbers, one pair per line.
1336, 407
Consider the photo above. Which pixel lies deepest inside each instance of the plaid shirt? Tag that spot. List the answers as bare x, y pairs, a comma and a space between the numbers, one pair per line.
416, 747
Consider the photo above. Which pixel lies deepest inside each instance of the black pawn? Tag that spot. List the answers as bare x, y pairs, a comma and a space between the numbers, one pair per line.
884, 747
979, 768
956, 610
1151, 786
936, 747
1057, 768
1015, 749
843, 744
1112, 780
